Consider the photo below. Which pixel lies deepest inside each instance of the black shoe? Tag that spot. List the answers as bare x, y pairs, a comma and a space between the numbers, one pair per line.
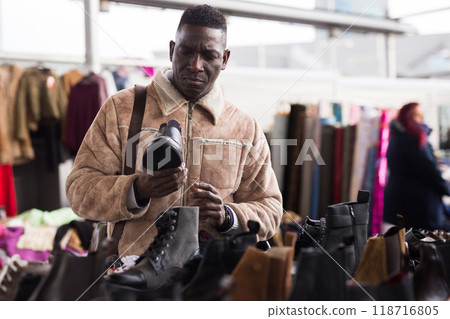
165, 151
175, 244
220, 258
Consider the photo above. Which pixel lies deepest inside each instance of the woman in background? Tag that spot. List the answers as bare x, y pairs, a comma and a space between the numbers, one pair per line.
415, 185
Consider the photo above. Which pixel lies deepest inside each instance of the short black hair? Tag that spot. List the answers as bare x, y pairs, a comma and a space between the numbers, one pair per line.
205, 16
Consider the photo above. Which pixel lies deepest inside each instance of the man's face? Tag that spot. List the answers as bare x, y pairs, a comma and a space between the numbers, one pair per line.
197, 58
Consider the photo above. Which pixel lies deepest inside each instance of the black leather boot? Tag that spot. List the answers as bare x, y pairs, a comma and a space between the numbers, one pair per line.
220, 258
165, 151
312, 233
399, 287
175, 244
322, 276
347, 220
443, 248
429, 278
73, 278
412, 238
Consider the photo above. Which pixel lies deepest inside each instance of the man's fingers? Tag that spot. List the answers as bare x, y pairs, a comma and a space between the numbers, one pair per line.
206, 195
205, 186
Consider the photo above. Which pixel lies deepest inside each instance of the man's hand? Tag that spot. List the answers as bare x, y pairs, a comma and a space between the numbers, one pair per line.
210, 203
161, 183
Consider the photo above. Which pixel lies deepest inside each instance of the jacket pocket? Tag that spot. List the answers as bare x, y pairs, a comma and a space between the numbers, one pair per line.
220, 160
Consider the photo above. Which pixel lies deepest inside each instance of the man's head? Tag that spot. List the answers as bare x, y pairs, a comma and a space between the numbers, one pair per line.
199, 53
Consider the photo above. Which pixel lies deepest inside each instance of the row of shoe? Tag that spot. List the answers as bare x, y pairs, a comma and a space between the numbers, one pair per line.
395, 266
329, 250
332, 260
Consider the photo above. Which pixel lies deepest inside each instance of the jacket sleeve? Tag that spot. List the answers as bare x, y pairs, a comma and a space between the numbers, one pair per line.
96, 188
258, 196
425, 167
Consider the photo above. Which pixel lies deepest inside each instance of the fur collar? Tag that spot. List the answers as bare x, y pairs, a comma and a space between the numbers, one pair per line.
171, 99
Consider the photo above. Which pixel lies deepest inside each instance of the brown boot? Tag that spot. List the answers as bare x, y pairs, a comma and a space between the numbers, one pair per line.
383, 257
263, 275
280, 277
251, 277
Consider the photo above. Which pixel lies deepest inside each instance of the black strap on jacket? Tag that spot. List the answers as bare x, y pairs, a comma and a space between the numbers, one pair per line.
133, 136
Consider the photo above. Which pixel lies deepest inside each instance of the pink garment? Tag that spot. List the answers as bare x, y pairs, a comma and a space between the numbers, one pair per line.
149, 71
381, 173
9, 243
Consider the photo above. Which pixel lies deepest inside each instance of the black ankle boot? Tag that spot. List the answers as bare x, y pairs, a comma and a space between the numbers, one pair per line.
220, 258
312, 233
165, 151
322, 276
347, 220
429, 278
175, 244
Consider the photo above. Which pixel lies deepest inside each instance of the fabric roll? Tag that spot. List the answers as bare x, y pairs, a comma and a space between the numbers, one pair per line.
338, 152
326, 171
292, 172
279, 146
306, 165
381, 172
347, 160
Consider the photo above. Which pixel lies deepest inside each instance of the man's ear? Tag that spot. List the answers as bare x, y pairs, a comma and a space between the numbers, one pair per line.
171, 48
226, 56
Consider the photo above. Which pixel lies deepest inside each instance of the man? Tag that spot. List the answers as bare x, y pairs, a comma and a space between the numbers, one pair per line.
226, 170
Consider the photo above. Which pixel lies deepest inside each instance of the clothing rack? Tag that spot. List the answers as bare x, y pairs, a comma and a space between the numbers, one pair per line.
6, 57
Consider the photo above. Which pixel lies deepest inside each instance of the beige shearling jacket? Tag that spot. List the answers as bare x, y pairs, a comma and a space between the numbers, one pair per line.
222, 146
12, 150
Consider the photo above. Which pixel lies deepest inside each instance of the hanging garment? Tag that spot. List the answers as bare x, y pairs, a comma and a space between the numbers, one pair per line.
70, 79
41, 99
121, 78
7, 191
85, 100
12, 150
111, 87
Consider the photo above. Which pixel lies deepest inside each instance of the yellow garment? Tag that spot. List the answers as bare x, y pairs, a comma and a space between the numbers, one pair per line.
71, 79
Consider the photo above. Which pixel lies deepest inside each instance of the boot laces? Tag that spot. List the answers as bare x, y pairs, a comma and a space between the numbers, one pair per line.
166, 226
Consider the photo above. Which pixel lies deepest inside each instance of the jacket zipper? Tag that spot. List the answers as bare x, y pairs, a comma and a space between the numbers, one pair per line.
188, 137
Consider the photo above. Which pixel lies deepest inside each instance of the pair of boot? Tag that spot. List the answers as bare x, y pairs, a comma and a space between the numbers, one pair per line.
330, 250
343, 222
265, 275
172, 269
383, 271
212, 280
